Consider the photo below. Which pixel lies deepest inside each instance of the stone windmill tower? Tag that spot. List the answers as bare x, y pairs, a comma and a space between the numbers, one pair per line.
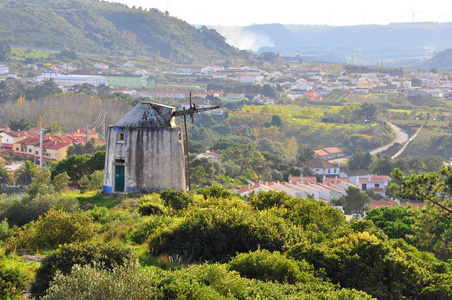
145, 151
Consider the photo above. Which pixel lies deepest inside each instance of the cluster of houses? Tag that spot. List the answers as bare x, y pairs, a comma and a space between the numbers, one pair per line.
332, 188
28, 144
314, 86
334, 182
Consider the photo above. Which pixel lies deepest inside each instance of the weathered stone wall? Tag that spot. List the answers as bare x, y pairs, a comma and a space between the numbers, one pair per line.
153, 158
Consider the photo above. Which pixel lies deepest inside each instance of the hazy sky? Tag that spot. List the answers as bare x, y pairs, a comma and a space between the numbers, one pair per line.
326, 12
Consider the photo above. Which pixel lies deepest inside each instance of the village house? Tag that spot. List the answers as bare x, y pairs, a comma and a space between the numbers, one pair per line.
101, 66
323, 167
329, 153
256, 188
209, 155
379, 183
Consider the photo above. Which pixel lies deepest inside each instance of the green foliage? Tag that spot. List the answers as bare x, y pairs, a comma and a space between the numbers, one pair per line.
355, 200
22, 124
5, 176
57, 227
61, 181
217, 192
12, 282
5, 50
25, 173
315, 216
396, 222
385, 270
271, 266
83, 148
92, 182
128, 281
76, 166
102, 256
21, 210
5, 230
151, 205
175, 199
214, 234
265, 200
150, 225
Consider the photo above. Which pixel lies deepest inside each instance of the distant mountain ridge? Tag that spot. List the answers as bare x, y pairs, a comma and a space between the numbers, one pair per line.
96, 26
396, 43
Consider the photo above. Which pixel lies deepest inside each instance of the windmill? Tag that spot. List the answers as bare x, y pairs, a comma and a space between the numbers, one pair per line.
191, 111
413, 13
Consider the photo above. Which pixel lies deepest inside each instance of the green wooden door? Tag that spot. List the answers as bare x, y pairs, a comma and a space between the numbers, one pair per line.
120, 179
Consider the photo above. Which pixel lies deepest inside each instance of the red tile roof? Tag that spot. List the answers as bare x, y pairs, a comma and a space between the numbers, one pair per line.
333, 150
380, 203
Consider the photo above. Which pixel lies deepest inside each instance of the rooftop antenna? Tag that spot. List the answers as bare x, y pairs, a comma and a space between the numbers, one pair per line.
191, 111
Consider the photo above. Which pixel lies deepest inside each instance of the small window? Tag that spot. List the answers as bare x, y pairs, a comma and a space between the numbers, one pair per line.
17, 148
334, 171
377, 185
329, 171
29, 150
36, 152
121, 136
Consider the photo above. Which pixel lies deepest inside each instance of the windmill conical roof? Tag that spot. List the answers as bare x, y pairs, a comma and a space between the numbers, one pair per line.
148, 115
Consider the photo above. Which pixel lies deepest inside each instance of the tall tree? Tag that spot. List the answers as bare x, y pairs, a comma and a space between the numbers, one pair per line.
24, 175
5, 176
5, 50
355, 200
307, 158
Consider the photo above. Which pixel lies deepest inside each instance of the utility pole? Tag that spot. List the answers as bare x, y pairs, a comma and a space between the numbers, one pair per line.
41, 148
104, 131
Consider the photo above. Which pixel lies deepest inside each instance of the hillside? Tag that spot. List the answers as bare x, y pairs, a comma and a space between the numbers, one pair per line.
102, 27
442, 59
395, 43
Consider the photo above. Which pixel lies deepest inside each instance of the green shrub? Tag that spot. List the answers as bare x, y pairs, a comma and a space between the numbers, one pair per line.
12, 282
20, 211
57, 227
383, 269
266, 200
96, 283
267, 266
213, 281
91, 182
151, 225
175, 199
216, 191
151, 205
215, 234
5, 230
106, 256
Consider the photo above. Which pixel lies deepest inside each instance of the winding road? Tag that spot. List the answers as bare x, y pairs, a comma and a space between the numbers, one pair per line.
401, 138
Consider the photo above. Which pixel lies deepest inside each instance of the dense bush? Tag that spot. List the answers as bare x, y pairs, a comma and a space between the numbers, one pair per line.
265, 200
217, 192
396, 221
150, 225
267, 266
215, 234
12, 282
104, 256
151, 205
57, 227
5, 230
175, 199
382, 269
96, 283
20, 211
91, 182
